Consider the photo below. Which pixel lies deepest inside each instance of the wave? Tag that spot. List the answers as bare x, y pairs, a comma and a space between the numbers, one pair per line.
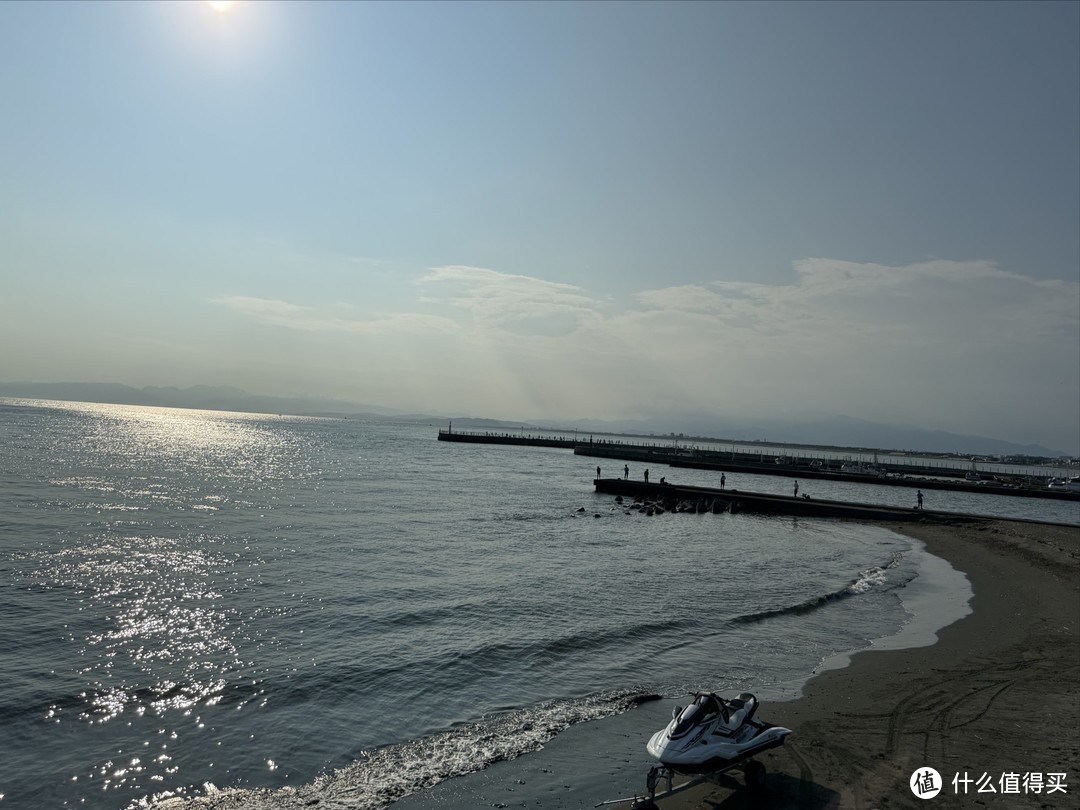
384, 775
867, 579
465, 665
100, 703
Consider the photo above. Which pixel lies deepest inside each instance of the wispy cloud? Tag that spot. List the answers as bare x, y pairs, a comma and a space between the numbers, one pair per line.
513, 303
952, 345
834, 302
312, 319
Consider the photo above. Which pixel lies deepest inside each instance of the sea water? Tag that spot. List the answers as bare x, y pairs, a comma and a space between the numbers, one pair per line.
195, 600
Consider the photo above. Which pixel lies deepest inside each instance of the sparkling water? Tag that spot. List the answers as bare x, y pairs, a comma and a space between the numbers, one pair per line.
353, 608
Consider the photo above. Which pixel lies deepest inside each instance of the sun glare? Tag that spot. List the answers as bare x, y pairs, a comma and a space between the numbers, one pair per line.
220, 6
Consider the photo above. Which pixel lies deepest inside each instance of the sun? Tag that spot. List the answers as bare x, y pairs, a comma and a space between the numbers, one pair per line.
220, 6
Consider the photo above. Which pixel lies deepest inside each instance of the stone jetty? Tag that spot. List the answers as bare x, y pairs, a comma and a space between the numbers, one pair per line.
665, 497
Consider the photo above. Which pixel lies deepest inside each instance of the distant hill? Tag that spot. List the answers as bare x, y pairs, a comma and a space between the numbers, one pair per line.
838, 431
202, 397
847, 431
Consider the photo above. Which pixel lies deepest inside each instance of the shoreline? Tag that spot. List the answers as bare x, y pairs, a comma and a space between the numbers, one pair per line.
981, 699
937, 598
998, 693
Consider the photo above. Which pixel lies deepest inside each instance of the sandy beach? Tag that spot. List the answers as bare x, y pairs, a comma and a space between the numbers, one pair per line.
998, 694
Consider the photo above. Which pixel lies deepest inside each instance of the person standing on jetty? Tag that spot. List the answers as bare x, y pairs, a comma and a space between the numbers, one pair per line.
918, 494
723, 480
598, 473
626, 471
796, 495
646, 476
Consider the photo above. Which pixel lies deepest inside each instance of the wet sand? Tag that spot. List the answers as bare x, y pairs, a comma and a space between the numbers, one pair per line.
998, 693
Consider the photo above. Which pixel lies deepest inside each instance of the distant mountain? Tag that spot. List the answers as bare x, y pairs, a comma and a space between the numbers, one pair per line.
77, 392
852, 432
838, 431
202, 397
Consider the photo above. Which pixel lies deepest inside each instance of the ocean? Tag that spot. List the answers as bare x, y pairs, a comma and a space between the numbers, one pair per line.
352, 611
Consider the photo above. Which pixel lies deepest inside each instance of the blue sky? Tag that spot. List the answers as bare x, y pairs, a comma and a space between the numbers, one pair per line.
553, 210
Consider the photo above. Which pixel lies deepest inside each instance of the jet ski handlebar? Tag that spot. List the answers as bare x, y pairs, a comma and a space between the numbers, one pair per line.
712, 703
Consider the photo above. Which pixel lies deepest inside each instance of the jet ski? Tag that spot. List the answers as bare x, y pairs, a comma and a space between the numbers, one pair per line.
714, 734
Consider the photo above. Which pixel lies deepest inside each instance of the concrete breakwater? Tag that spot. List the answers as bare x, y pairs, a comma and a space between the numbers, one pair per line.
707, 499
911, 474
719, 464
521, 440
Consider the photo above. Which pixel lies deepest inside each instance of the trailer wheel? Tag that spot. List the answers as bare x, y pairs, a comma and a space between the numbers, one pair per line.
755, 775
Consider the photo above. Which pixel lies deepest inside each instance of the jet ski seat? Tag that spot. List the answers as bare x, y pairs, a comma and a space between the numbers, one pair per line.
740, 710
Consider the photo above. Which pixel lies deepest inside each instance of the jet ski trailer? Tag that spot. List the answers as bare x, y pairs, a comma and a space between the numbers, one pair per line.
706, 739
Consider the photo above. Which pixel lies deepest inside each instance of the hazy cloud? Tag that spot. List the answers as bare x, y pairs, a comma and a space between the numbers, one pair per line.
917, 344
311, 319
956, 345
514, 303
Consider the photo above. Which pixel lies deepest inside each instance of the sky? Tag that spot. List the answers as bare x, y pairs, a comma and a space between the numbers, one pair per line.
553, 210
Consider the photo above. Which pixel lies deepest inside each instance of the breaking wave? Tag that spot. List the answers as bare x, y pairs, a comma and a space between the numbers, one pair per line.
386, 774
868, 578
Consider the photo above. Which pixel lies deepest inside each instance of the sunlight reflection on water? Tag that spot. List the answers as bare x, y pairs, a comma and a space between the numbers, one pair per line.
166, 643
161, 611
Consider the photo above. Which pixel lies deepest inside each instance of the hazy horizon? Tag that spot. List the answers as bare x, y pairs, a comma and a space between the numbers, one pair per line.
836, 430
554, 211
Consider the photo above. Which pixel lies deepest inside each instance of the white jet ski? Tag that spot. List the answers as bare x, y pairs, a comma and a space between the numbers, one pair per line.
714, 734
